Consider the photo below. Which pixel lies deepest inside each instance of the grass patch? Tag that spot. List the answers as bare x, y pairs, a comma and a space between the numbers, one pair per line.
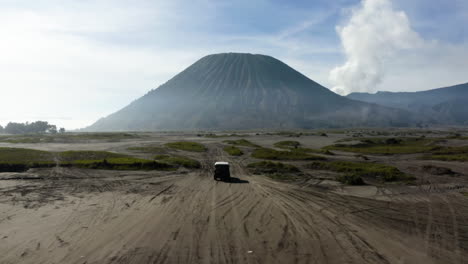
66, 137
387, 146
271, 154
464, 194
22, 139
354, 170
24, 156
212, 135
288, 134
73, 155
450, 150
19, 159
187, 146
316, 151
233, 151
274, 170
102, 136
448, 154
241, 142
435, 170
460, 157
457, 136
147, 149
288, 144
178, 161
271, 167
128, 163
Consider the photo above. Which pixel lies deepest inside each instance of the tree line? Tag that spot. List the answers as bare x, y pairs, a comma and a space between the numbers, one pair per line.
38, 127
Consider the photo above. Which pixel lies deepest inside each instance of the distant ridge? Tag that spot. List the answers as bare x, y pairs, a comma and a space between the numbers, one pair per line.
245, 91
444, 106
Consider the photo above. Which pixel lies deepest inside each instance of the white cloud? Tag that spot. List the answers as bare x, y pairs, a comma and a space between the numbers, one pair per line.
72, 62
87, 59
374, 34
50, 64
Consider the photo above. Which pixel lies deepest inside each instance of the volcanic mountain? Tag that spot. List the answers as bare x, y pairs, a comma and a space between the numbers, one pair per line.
232, 91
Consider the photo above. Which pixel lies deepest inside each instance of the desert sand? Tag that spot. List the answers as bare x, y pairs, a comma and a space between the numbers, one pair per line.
71, 215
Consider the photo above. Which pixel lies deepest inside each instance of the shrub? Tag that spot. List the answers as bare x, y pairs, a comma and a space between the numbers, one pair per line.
288, 144
350, 179
438, 170
241, 142
11, 167
392, 141
88, 155
121, 164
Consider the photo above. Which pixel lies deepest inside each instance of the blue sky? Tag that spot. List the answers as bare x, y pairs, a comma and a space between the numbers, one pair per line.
72, 62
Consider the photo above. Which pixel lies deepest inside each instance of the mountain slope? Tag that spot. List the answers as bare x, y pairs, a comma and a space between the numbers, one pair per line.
442, 106
244, 91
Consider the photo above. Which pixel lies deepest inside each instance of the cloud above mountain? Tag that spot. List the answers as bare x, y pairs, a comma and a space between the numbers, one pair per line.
385, 50
373, 35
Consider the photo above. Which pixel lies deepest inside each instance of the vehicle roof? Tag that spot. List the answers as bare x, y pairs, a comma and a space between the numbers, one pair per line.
221, 163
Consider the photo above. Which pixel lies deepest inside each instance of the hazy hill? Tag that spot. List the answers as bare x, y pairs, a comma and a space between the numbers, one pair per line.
245, 91
440, 106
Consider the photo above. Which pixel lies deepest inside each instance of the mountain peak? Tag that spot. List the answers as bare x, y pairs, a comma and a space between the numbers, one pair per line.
241, 91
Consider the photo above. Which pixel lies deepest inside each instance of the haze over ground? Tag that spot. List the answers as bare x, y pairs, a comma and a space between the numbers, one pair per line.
71, 62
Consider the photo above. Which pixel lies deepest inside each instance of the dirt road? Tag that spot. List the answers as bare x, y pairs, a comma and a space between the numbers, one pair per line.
190, 218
